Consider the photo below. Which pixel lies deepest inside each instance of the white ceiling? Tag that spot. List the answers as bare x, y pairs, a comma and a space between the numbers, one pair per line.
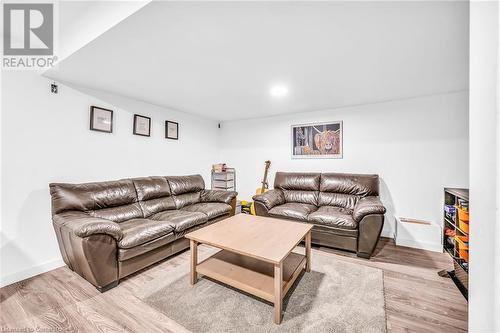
82, 21
219, 59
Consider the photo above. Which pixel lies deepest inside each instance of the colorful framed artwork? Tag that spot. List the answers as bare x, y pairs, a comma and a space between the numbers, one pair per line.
317, 140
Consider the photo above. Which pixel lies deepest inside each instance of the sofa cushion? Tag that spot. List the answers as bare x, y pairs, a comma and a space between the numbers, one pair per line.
222, 196
210, 209
306, 197
298, 187
354, 184
118, 214
297, 181
343, 200
186, 184
186, 190
125, 254
180, 220
90, 196
298, 211
186, 199
139, 231
334, 217
112, 200
332, 230
153, 194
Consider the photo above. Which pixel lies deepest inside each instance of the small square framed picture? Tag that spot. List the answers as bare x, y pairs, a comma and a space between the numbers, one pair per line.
142, 125
171, 130
101, 119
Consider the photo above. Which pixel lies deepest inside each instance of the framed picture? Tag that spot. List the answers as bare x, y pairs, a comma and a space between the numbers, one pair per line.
171, 130
320, 140
101, 119
142, 125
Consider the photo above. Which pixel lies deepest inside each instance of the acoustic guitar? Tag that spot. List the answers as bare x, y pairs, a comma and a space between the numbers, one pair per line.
264, 187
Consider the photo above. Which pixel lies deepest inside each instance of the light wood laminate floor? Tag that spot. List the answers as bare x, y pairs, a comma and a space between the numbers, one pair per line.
417, 299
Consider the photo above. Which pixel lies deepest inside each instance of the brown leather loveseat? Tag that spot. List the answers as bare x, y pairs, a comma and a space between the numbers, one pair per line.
108, 230
344, 208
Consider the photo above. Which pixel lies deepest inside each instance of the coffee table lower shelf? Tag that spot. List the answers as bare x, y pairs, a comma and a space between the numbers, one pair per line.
251, 275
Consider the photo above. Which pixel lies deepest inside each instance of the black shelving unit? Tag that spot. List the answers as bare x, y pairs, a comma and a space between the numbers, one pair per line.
460, 273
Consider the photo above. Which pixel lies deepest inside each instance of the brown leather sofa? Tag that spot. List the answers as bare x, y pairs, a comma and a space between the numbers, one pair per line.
344, 208
108, 230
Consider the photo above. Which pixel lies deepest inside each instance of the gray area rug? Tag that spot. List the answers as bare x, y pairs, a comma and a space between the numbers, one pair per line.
335, 296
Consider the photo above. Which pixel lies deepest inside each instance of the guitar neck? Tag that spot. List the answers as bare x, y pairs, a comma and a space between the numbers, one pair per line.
264, 186
264, 180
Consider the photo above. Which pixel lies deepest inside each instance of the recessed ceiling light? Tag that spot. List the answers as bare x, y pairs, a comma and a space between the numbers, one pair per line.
279, 91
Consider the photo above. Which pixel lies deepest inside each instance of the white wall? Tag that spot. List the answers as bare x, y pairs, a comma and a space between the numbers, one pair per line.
417, 146
484, 280
46, 138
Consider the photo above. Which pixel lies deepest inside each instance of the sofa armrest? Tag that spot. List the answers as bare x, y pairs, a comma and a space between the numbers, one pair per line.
370, 228
218, 196
88, 247
366, 206
270, 198
84, 225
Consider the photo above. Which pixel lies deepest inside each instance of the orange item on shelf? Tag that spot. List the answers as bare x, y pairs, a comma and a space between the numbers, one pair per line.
463, 247
463, 215
464, 254
463, 242
463, 225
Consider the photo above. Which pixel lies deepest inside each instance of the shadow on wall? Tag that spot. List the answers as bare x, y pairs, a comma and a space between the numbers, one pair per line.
120, 102
21, 258
386, 198
126, 104
10, 251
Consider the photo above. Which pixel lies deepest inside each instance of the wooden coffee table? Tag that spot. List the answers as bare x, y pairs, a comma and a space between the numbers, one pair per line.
256, 255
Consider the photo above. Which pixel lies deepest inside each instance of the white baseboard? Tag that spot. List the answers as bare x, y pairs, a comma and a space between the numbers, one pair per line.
32, 271
436, 247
